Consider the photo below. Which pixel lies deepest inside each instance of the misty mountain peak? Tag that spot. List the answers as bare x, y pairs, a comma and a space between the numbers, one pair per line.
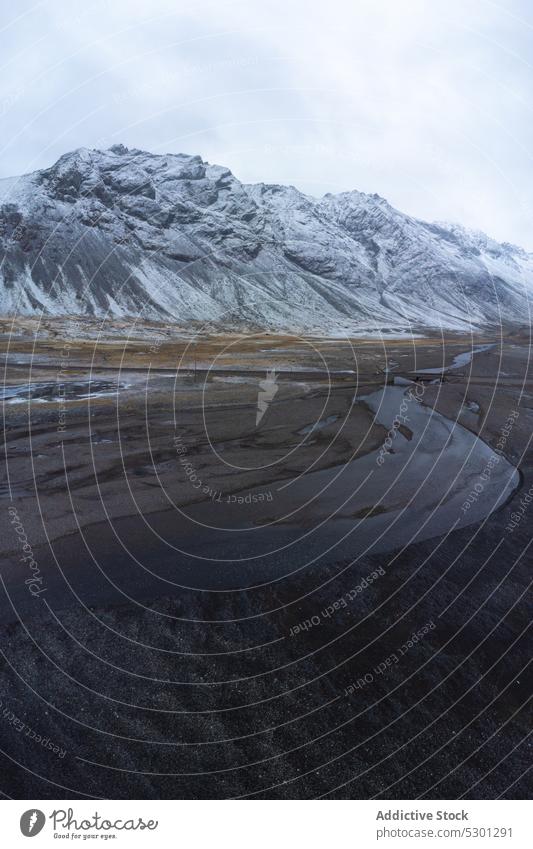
170, 236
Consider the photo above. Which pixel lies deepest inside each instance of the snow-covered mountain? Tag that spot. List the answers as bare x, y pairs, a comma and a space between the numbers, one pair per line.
127, 233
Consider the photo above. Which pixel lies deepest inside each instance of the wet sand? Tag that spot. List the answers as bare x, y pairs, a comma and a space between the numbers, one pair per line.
140, 592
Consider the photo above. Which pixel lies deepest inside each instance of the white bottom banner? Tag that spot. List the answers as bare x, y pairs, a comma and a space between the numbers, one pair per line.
264, 824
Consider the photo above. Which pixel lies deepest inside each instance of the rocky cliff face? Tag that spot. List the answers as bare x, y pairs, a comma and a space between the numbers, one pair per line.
127, 233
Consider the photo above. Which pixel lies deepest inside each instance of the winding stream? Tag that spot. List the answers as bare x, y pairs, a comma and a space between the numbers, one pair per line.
458, 361
413, 487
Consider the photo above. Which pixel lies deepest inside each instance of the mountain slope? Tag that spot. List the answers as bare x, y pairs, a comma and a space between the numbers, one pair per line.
124, 232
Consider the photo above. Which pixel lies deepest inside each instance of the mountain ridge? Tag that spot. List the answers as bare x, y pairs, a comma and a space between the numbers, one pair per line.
171, 237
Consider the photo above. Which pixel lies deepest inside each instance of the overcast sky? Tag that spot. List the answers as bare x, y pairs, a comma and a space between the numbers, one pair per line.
426, 102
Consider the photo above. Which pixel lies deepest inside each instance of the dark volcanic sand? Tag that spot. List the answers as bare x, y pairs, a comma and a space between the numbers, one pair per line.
150, 689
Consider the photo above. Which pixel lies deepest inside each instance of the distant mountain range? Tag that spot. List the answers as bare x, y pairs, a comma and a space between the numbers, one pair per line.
127, 233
